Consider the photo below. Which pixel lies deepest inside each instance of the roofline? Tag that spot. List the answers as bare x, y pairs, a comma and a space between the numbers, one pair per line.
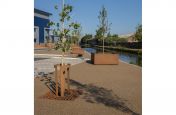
42, 12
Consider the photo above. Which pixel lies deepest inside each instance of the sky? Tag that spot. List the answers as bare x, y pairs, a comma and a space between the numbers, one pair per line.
124, 15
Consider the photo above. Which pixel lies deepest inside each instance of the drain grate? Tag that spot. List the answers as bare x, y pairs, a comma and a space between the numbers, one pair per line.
71, 94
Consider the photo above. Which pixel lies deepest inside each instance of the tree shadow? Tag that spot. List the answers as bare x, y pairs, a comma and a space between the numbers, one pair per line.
49, 83
37, 59
95, 94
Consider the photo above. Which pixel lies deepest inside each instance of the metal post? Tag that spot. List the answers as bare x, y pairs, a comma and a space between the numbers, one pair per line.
63, 21
103, 44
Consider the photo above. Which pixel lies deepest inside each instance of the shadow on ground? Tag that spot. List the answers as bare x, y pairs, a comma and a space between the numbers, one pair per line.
95, 94
89, 62
37, 59
49, 83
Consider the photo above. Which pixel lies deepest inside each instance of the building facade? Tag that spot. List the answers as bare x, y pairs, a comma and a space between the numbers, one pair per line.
41, 27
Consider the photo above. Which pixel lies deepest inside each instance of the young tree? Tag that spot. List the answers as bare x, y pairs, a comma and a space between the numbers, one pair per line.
76, 32
64, 31
103, 27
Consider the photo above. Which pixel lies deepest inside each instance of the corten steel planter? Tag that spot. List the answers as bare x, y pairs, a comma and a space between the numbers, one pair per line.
104, 59
77, 50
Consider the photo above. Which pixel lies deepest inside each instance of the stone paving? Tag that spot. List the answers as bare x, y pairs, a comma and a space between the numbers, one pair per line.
107, 89
44, 63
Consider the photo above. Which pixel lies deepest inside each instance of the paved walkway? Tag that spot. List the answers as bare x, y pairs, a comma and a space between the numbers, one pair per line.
44, 63
107, 90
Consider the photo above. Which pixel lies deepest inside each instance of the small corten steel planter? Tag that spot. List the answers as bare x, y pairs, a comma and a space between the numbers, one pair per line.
104, 59
77, 50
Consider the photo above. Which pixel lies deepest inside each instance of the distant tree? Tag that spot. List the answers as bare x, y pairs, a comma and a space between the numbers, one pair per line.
86, 38
109, 34
122, 40
138, 33
115, 35
111, 38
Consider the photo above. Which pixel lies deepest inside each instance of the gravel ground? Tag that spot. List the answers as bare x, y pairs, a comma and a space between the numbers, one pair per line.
107, 89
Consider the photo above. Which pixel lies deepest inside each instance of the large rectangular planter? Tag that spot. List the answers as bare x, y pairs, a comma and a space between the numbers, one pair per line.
104, 59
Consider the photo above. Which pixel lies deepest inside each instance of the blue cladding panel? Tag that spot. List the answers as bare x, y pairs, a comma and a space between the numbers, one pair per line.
41, 23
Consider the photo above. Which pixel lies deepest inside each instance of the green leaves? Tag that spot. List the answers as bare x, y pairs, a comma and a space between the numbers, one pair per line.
103, 27
56, 7
51, 23
138, 33
87, 37
75, 25
65, 13
63, 45
99, 33
64, 29
68, 8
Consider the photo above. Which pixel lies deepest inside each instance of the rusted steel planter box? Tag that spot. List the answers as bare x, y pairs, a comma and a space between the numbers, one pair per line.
104, 59
77, 50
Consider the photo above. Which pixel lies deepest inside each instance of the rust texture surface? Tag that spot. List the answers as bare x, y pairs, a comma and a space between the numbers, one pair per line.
106, 59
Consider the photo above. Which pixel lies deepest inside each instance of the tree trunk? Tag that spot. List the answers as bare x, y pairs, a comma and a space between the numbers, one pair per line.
103, 45
62, 59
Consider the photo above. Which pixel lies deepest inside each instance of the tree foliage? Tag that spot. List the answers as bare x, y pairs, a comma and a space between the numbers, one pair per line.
86, 37
111, 38
138, 33
103, 26
64, 28
115, 38
99, 34
76, 32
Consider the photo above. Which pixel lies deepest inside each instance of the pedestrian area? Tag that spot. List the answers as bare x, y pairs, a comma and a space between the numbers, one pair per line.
44, 63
